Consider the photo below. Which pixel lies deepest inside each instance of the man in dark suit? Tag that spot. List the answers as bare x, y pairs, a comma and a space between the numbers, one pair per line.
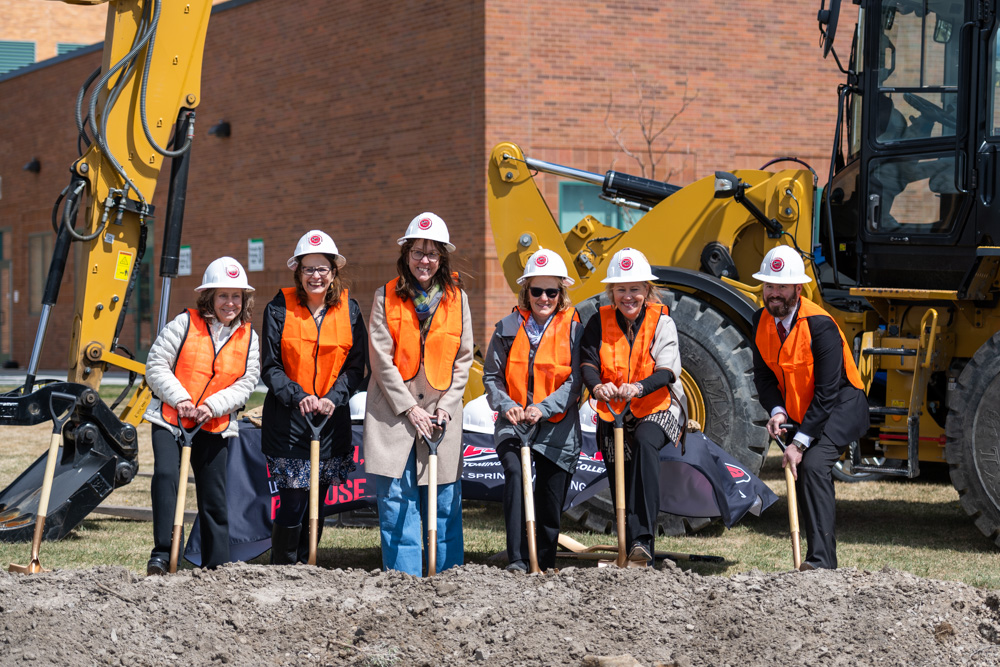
805, 373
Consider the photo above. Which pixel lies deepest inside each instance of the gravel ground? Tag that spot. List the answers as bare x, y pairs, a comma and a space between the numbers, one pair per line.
251, 614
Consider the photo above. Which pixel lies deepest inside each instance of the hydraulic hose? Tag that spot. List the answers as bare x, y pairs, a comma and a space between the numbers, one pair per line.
142, 96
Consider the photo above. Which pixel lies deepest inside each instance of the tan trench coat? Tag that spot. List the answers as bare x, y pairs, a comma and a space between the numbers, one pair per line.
388, 435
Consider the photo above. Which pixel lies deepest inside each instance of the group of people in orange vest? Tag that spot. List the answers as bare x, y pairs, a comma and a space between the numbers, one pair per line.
418, 342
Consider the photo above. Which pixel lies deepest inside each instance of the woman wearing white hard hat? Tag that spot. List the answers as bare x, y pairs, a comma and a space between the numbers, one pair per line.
314, 354
202, 368
421, 352
532, 376
629, 352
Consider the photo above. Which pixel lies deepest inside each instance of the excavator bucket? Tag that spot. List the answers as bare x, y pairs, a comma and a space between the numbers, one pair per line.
98, 454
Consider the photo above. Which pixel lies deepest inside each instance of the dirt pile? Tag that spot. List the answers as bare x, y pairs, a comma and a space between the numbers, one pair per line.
244, 614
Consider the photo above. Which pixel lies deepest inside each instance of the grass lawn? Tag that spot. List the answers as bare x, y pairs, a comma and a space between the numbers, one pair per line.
916, 525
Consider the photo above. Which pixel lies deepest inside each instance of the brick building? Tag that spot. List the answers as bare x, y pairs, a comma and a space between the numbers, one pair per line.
353, 117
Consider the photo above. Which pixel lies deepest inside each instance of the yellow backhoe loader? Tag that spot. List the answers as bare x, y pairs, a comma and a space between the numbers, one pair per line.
903, 244
142, 96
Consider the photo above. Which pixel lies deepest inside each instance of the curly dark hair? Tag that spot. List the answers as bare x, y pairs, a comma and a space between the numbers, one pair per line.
206, 306
408, 286
332, 298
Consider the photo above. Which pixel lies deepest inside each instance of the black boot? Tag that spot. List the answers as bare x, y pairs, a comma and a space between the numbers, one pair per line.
303, 552
284, 542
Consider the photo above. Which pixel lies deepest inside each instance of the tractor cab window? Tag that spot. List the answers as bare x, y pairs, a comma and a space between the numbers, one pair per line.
994, 96
917, 96
912, 195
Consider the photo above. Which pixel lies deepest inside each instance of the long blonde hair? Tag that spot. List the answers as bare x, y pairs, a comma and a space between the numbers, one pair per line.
652, 293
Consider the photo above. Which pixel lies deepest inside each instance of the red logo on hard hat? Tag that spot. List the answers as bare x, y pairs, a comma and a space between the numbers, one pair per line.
626, 263
232, 271
777, 264
541, 261
315, 239
425, 223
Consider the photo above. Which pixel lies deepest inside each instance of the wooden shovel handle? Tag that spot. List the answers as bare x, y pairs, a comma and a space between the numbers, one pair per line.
793, 517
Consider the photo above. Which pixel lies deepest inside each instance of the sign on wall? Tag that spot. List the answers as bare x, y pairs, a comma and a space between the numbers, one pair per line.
184, 261
255, 255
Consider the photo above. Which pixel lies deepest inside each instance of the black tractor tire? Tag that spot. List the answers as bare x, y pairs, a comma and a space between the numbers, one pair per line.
971, 428
718, 357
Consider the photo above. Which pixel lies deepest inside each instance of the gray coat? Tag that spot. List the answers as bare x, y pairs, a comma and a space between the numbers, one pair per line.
560, 441
388, 434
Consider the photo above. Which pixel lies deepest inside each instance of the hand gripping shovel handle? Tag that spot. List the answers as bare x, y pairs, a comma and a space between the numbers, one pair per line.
793, 509
527, 435
187, 435
620, 479
59, 420
316, 429
432, 498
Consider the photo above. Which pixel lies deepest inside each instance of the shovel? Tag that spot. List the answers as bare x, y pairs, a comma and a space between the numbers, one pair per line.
432, 499
314, 485
175, 538
793, 505
583, 552
58, 422
619, 418
527, 435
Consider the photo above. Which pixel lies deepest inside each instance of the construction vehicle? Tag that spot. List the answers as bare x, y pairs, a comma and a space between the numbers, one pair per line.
145, 91
903, 245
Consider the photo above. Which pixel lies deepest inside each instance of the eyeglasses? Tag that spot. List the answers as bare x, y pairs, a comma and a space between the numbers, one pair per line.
316, 270
551, 292
431, 256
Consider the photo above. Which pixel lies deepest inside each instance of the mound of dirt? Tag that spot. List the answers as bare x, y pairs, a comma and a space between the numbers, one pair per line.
246, 614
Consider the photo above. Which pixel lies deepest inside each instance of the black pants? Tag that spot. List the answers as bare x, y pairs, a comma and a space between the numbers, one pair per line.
817, 499
642, 485
208, 462
551, 484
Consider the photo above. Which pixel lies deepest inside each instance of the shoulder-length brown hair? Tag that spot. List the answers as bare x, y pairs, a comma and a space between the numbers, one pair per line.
652, 293
525, 304
206, 306
407, 286
332, 297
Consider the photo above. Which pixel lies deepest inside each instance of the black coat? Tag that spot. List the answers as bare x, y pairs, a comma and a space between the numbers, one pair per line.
285, 433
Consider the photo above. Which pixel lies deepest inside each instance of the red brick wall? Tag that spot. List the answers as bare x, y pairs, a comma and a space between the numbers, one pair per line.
50, 23
353, 118
763, 89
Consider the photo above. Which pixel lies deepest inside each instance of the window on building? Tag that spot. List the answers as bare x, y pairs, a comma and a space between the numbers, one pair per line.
15, 54
66, 47
39, 257
577, 200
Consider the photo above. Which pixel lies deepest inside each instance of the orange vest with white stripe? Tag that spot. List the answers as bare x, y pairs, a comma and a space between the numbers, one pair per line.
438, 350
792, 361
621, 363
202, 371
312, 353
551, 365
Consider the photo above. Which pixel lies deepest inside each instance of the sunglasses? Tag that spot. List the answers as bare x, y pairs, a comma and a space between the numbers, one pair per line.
551, 292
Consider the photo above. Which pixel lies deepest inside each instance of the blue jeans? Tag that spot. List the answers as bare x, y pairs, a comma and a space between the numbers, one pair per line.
402, 508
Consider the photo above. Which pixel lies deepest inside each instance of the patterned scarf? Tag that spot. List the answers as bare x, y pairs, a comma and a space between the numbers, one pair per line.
425, 303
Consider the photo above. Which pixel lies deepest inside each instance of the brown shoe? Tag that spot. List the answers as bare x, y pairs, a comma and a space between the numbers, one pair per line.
805, 567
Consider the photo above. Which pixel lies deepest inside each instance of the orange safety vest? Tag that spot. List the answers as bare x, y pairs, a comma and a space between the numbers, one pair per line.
202, 371
623, 363
314, 354
792, 361
438, 350
552, 362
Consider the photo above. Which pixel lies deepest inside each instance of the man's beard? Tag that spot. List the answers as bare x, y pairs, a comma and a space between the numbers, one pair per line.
778, 307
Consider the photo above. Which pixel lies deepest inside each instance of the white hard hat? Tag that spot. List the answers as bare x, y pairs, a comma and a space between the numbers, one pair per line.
783, 266
546, 263
588, 418
428, 226
224, 272
478, 417
357, 406
316, 242
629, 266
